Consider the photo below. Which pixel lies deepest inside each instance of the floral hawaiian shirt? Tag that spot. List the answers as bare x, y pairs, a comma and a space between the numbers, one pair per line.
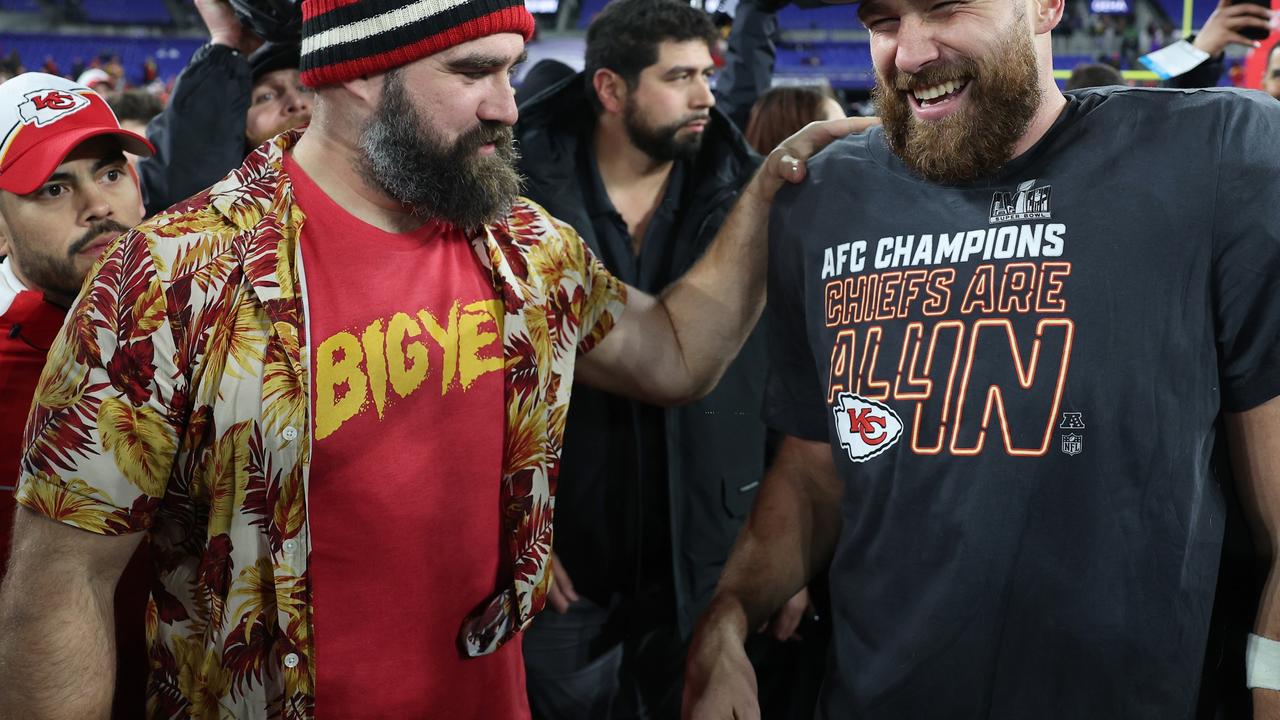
176, 400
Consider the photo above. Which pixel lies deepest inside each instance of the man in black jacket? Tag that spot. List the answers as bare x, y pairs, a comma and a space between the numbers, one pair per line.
635, 154
226, 102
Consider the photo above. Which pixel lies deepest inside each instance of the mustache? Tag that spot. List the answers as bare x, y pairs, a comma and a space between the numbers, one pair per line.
486, 133
933, 75
95, 230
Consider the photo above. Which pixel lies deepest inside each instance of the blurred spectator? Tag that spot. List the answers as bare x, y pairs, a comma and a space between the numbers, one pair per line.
636, 154
782, 111
98, 80
1087, 75
50, 66
134, 109
225, 103
1220, 30
64, 196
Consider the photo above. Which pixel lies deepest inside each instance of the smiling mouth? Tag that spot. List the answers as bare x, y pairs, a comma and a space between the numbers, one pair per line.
940, 93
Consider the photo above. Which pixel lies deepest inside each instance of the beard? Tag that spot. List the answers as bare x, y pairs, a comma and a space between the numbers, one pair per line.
60, 276
410, 162
662, 143
979, 138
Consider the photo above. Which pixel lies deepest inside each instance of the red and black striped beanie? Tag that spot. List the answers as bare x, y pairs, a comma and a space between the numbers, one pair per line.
347, 39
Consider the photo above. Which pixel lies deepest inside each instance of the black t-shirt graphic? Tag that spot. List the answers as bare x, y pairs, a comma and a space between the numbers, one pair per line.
1019, 380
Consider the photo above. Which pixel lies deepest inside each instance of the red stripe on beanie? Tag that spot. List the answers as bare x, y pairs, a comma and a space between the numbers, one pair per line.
312, 8
514, 19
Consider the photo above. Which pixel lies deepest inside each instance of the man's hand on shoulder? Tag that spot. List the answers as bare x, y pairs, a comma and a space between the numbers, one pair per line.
787, 161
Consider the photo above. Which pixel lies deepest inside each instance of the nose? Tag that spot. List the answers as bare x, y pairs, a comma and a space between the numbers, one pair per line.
94, 204
499, 104
703, 98
916, 45
297, 101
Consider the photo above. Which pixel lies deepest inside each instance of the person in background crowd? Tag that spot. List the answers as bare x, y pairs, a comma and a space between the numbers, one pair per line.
228, 101
636, 154
1222, 29
782, 111
1006, 330
203, 395
134, 109
1271, 76
65, 195
1087, 75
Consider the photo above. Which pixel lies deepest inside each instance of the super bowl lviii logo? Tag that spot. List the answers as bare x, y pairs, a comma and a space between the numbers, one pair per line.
865, 427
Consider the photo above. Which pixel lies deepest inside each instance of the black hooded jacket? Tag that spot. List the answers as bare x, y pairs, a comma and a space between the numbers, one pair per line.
711, 452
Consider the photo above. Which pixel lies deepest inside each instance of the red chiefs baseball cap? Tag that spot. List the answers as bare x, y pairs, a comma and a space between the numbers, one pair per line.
42, 119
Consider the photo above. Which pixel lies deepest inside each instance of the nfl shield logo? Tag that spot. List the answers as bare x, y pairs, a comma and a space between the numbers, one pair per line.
1072, 443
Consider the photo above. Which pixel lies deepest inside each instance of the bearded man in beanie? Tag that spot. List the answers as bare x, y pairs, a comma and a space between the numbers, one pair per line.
332, 390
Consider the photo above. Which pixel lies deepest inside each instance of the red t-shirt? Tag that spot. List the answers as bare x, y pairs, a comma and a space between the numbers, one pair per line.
407, 386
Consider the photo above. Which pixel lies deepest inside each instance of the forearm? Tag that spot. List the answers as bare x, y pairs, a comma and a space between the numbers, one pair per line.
714, 306
789, 537
57, 647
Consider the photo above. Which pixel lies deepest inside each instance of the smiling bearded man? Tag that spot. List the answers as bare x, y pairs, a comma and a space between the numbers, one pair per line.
1002, 90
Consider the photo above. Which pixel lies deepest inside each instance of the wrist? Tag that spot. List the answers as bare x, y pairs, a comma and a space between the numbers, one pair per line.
1262, 663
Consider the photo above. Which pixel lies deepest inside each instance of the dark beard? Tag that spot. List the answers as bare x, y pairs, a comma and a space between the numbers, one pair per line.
1003, 95
663, 143
58, 277
410, 162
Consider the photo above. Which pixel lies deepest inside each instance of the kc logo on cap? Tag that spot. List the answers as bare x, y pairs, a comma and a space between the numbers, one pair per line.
43, 107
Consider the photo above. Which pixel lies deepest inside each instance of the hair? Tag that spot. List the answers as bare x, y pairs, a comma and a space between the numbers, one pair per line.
625, 37
1087, 75
782, 111
136, 105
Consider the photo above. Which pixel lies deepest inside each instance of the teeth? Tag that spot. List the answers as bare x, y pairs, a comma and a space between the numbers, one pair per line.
937, 91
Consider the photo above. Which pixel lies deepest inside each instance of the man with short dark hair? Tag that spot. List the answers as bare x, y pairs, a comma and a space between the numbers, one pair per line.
635, 153
1010, 326
1087, 75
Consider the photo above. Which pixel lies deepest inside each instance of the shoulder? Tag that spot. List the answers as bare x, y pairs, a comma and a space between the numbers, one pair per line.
844, 164
1176, 105
192, 226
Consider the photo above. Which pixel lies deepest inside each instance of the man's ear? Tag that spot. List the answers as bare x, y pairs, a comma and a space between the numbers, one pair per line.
611, 89
1046, 14
368, 89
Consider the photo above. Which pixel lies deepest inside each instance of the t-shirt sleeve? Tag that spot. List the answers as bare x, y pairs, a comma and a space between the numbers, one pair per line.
1246, 261
603, 297
102, 432
793, 402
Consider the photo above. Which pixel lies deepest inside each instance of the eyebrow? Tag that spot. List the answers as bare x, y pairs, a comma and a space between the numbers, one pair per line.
107, 161
477, 62
682, 69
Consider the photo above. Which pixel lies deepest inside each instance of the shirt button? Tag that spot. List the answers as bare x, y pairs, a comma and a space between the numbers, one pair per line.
291, 660
290, 545
290, 433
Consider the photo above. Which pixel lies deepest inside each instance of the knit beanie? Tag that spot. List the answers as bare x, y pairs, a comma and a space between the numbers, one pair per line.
347, 39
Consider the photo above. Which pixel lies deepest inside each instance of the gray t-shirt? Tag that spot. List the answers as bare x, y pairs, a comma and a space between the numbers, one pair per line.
1020, 381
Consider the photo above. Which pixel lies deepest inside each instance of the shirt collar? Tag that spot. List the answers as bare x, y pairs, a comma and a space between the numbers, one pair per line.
10, 285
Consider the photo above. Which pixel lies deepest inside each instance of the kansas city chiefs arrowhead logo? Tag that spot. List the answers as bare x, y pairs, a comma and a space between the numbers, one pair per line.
865, 427
41, 107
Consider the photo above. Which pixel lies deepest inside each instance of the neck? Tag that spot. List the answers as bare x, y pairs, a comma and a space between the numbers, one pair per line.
329, 155
1052, 101
623, 165
61, 299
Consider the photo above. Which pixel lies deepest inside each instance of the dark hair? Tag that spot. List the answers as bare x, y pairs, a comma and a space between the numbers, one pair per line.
780, 113
625, 36
136, 105
1087, 75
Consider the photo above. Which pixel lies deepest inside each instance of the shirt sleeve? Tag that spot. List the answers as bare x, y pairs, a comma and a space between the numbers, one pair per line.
793, 402
1246, 262
603, 298
103, 428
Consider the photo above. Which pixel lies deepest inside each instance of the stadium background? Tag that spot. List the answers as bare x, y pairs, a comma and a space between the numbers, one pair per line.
152, 40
